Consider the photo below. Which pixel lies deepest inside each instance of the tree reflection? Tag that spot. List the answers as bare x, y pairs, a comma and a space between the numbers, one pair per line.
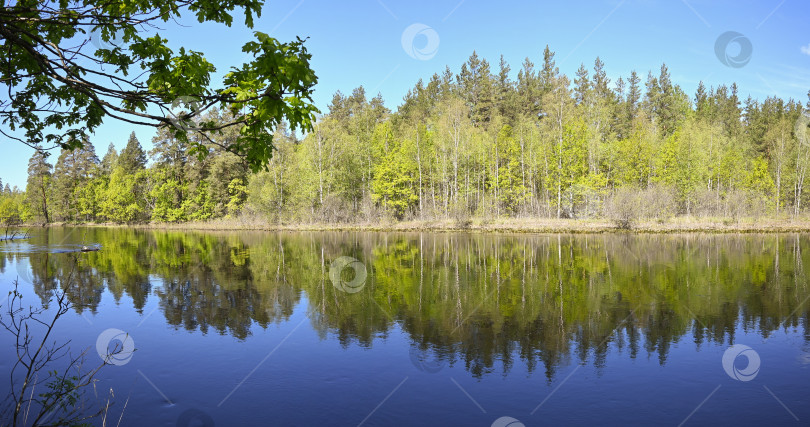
483, 301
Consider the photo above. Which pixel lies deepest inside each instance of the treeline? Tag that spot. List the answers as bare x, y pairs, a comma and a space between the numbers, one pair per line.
13, 206
178, 185
474, 144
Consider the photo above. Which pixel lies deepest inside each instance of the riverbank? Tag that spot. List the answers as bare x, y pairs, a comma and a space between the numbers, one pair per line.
506, 225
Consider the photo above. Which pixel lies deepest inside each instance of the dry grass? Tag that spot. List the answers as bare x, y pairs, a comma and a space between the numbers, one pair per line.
503, 225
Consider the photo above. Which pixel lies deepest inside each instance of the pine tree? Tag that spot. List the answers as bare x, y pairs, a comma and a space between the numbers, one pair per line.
505, 93
549, 72
38, 189
73, 170
601, 82
582, 85
132, 158
528, 89
633, 96
476, 88
652, 96
701, 100
109, 160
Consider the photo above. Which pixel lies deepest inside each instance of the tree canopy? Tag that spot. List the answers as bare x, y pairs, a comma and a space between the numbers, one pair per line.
69, 65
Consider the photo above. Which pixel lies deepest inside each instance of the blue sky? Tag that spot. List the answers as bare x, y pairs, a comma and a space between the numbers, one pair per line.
357, 43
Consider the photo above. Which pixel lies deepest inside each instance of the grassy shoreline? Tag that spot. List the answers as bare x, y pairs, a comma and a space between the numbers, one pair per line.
510, 225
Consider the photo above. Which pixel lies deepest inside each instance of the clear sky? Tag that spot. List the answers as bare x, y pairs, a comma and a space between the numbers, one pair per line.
361, 42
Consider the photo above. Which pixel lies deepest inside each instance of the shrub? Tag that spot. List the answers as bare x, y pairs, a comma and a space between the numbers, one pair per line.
622, 207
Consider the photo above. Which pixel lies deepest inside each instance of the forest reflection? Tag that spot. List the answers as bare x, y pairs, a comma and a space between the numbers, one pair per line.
484, 301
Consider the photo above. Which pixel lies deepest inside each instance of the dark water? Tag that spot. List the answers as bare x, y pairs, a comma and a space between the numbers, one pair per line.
245, 328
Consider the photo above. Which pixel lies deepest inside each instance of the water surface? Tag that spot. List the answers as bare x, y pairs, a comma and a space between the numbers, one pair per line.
248, 328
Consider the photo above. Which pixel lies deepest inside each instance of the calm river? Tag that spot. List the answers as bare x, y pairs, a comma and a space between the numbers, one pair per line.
430, 329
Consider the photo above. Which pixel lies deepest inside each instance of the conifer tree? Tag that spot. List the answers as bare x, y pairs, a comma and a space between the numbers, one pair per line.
38, 189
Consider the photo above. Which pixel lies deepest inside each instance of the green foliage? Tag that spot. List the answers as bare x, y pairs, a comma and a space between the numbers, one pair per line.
58, 56
13, 208
237, 192
64, 391
123, 201
633, 157
511, 190
680, 165
392, 186
167, 202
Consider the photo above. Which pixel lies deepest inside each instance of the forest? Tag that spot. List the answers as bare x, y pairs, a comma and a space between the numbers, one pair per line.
481, 143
